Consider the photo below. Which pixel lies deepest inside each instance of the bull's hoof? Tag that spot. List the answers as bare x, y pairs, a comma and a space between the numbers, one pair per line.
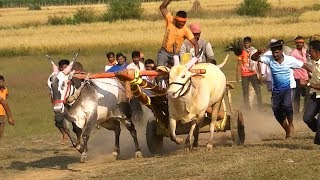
138, 154
187, 148
115, 155
83, 157
179, 140
209, 147
195, 148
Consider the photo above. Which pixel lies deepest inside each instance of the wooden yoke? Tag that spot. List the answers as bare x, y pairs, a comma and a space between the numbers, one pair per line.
129, 74
137, 83
133, 78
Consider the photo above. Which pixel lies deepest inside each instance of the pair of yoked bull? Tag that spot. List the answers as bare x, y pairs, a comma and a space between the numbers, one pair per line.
103, 101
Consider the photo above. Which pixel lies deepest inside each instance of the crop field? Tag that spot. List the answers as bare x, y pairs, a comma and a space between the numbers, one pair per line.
32, 150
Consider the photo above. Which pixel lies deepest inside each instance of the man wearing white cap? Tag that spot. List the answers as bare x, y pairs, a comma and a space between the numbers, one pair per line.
187, 46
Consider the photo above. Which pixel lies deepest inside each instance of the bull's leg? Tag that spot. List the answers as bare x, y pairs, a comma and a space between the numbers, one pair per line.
214, 116
78, 131
130, 126
173, 136
196, 134
187, 145
85, 138
73, 141
91, 123
117, 131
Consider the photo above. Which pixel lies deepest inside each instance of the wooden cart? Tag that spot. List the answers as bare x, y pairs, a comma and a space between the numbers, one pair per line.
229, 119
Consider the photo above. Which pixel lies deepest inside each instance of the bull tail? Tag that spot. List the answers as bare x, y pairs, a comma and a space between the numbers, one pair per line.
224, 61
229, 100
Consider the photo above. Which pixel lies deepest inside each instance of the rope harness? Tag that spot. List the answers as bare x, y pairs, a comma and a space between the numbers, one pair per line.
72, 93
182, 86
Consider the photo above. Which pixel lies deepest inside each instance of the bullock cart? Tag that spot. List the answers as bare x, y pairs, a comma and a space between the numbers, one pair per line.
229, 119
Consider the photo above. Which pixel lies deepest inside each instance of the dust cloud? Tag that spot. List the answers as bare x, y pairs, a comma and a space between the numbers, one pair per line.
258, 126
102, 140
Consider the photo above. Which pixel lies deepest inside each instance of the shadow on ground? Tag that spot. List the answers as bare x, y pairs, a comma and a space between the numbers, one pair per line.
55, 162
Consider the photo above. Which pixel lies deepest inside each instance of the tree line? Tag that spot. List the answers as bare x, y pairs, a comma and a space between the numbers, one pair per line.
26, 3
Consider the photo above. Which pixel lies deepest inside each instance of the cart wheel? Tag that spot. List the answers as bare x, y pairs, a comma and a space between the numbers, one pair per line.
237, 128
154, 141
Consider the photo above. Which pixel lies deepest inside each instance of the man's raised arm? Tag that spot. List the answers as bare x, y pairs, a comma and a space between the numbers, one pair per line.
257, 54
163, 7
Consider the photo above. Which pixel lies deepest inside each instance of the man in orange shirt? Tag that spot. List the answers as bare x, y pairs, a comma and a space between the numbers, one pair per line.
176, 32
4, 108
247, 69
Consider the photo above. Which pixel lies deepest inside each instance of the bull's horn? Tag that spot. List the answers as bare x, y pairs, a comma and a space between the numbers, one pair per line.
69, 67
176, 60
55, 68
224, 61
191, 62
75, 57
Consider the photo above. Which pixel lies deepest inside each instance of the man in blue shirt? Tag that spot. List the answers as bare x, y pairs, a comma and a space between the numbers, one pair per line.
281, 67
121, 65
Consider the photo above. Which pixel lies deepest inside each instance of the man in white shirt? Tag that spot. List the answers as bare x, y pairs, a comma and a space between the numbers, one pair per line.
136, 109
187, 46
136, 63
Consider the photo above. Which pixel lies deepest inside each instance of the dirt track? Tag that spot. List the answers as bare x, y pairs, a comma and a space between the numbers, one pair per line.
45, 158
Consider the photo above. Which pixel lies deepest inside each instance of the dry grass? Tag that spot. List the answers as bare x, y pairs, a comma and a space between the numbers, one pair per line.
123, 34
61, 39
23, 16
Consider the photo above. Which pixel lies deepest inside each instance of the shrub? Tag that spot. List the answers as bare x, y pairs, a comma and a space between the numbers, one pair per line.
85, 15
57, 20
196, 6
253, 8
34, 7
316, 7
123, 9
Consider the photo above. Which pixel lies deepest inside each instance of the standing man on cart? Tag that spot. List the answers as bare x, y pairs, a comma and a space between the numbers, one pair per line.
176, 32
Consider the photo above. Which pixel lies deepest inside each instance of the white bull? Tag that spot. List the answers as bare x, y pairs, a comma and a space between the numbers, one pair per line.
101, 100
189, 96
